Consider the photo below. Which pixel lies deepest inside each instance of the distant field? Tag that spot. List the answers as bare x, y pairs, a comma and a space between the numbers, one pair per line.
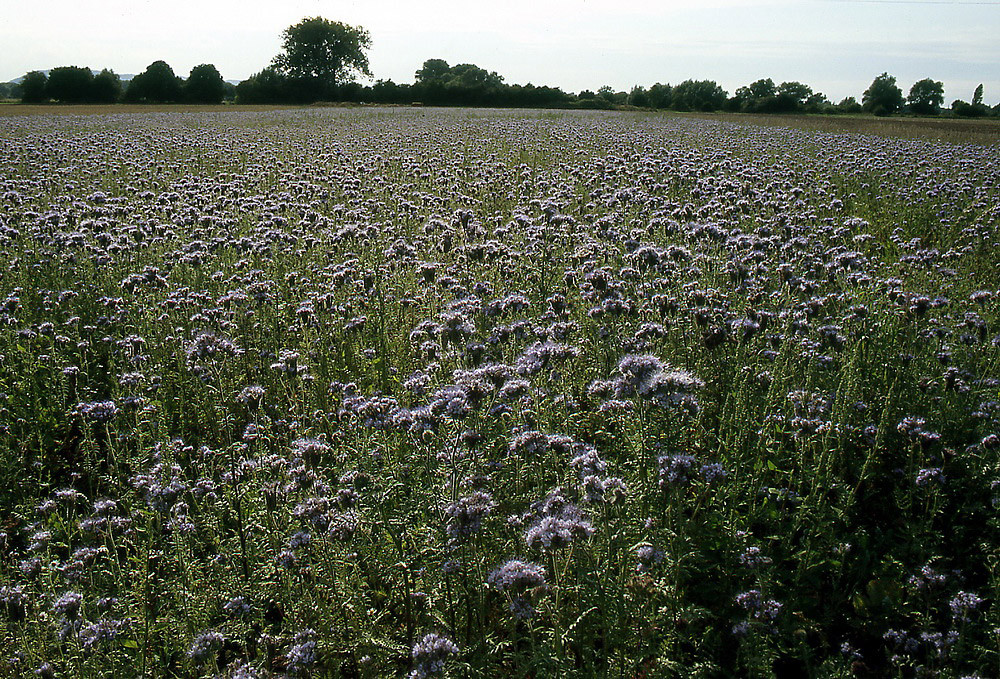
954, 130
943, 129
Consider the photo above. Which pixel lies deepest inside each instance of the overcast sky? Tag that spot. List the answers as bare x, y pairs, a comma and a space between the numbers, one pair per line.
835, 46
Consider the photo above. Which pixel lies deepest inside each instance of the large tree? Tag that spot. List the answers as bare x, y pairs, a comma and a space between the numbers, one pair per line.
699, 95
757, 96
106, 88
883, 97
157, 84
926, 97
324, 51
639, 96
758, 89
70, 84
205, 85
33, 87
793, 95
433, 71
660, 95
470, 75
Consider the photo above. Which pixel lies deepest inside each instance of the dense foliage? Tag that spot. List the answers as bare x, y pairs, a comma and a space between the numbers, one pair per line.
410, 392
204, 85
926, 97
157, 84
323, 53
33, 87
71, 84
883, 97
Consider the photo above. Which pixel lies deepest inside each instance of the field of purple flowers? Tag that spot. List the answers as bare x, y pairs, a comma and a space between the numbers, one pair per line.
342, 393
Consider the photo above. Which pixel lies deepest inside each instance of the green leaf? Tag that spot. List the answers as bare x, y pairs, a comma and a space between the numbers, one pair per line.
774, 468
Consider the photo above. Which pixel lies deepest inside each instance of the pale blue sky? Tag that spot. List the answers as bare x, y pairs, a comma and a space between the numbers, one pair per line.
835, 46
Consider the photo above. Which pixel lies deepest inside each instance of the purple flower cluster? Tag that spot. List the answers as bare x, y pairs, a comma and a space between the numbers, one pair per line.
518, 580
465, 517
430, 655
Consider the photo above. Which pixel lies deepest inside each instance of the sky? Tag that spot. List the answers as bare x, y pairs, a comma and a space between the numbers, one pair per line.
835, 46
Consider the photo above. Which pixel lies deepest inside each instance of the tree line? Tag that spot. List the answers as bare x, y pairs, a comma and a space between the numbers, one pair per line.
320, 58
156, 85
439, 84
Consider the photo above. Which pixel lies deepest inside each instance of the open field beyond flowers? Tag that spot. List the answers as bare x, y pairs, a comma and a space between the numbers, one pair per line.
953, 130
413, 392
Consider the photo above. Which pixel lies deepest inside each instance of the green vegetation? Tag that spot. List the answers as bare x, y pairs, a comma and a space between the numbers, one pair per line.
204, 85
324, 53
926, 97
882, 97
365, 393
157, 84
